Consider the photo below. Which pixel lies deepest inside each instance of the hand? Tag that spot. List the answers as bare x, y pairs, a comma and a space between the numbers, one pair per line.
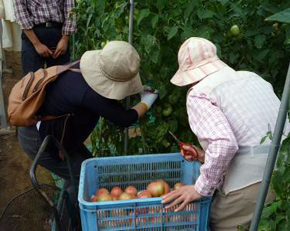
187, 151
42, 50
183, 195
148, 96
61, 47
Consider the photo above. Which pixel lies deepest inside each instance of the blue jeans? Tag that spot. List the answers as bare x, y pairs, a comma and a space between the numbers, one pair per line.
30, 142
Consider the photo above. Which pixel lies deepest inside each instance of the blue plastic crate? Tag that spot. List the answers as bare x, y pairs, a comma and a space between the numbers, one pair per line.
139, 214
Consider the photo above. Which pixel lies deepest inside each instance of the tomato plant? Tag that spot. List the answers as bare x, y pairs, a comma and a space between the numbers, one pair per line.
160, 27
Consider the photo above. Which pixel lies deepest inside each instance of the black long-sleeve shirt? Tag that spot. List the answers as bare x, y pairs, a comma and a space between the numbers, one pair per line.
70, 94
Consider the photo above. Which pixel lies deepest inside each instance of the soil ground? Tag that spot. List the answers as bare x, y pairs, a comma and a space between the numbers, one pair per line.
14, 164
14, 170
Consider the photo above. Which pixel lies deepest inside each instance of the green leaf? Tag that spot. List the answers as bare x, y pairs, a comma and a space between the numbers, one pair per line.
234, 57
282, 16
250, 32
261, 55
160, 4
287, 32
189, 9
173, 125
223, 2
236, 8
203, 14
154, 54
187, 33
263, 139
260, 40
143, 14
162, 91
154, 20
172, 32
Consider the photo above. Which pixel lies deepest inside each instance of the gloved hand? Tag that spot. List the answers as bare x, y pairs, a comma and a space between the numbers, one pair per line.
148, 96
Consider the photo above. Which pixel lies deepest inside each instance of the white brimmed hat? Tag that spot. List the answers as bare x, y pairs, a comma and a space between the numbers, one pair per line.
114, 71
197, 59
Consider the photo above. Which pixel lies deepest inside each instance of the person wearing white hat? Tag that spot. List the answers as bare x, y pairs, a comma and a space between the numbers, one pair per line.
230, 112
105, 77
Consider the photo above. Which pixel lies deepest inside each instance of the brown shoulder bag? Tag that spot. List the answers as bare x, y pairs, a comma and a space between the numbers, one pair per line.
28, 95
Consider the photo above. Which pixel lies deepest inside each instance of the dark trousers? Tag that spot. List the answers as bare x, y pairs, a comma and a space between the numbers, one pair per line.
31, 60
30, 142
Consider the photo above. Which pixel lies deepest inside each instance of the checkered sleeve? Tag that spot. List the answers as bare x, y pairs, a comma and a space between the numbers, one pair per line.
209, 124
22, 16
69, 18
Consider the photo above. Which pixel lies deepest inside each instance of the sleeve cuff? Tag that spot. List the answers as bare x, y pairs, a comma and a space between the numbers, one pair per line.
26, 26
203, 187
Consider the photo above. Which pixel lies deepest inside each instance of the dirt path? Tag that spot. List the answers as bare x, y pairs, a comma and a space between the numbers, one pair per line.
14, 170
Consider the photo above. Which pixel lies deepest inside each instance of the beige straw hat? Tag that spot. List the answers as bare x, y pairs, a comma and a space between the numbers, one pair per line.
197, 58
114, 71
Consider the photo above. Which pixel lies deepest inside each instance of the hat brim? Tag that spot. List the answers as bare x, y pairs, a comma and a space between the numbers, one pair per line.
94, 77
190, 76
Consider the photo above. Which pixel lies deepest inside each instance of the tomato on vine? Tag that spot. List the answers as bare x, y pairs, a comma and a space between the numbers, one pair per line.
167, 110
235, 30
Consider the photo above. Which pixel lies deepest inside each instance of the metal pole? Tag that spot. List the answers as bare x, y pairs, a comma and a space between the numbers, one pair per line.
3, 119
131, 23
280, 123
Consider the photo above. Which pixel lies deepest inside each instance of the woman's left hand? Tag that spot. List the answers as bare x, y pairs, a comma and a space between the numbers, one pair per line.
183, 195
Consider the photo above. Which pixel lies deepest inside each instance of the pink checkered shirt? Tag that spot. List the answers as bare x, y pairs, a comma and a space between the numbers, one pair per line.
33, 12
240, 115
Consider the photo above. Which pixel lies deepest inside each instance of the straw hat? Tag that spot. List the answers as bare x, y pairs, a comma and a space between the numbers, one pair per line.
114, 71
197, 59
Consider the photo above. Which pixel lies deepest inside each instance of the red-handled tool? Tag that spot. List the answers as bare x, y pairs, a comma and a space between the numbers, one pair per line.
187, 148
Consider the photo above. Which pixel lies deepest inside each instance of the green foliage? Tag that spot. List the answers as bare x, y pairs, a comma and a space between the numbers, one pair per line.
276, 216
283, 16
160, 27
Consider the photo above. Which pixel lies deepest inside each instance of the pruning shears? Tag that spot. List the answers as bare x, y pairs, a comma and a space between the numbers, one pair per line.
186, 148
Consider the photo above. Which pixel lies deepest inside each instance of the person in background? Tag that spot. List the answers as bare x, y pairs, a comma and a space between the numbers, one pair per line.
105, 77
230, 112
47, 26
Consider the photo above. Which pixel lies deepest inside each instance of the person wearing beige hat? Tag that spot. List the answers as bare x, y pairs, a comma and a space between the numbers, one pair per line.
230, 112
105, 77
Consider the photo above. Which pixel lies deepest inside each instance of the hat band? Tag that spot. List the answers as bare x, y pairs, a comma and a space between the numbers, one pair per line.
110, 77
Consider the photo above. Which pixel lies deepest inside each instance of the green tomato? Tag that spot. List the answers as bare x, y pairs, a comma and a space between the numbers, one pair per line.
173, 99
235, 30
165, 143
167, 110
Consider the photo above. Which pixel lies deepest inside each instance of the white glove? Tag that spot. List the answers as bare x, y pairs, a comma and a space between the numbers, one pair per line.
148, 96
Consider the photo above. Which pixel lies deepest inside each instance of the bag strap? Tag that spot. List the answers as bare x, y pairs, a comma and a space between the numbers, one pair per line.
63, 68
60, 69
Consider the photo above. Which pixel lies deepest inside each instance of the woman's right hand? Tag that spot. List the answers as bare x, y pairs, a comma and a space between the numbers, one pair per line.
148, 96
187, 151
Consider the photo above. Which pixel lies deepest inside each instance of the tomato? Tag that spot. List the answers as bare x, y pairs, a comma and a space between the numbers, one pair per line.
167, 110
165, 143
173, 99
235, 30
155, 188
